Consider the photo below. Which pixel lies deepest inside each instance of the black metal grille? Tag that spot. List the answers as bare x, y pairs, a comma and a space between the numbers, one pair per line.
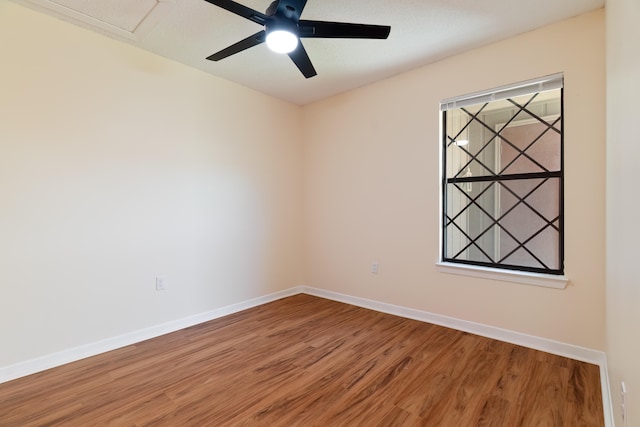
503, 190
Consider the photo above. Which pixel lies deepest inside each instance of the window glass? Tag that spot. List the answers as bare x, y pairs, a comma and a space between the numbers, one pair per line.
503, 183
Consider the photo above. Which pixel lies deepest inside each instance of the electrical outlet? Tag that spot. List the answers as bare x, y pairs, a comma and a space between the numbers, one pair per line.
160, 283
374, 268
623, 402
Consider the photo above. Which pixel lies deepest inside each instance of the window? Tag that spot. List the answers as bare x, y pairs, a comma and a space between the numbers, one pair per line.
502, 183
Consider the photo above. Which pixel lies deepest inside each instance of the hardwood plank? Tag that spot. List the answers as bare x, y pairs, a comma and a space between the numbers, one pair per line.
307, 361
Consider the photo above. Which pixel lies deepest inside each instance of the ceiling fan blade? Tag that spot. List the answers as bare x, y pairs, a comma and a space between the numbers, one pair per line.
302, 61
291, 8
250, 41
240, 10
342, 30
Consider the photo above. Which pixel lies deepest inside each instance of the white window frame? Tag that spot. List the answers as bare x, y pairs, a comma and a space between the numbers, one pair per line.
554, 81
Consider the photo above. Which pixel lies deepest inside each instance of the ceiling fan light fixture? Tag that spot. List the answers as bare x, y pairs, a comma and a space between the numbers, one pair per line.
282, 41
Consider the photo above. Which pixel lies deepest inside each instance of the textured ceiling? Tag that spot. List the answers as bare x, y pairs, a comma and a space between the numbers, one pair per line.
422, 31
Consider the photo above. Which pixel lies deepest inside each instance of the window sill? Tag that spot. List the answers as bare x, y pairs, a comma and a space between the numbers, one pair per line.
522, 277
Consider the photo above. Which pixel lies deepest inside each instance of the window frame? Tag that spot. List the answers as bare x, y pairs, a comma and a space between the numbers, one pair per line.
551, 277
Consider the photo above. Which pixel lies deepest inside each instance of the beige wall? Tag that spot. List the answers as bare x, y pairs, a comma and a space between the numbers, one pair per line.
623, 206
117, 165
372, 187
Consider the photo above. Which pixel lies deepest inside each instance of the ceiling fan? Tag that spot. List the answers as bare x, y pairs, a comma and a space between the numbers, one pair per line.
283, 28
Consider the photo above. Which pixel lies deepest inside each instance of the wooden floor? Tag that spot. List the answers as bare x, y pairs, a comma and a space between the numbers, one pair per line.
307, 361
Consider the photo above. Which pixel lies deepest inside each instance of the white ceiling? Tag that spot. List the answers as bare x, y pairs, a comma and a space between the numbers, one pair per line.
422, 31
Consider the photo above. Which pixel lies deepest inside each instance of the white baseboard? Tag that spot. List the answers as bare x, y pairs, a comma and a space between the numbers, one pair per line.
537, 343
596, 357
39, 364
543, 344
607, 402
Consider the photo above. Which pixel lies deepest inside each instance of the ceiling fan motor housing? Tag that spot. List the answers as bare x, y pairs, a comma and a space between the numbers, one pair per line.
287, 11
286, 20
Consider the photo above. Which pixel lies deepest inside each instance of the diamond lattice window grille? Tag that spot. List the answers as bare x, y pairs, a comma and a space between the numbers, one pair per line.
503, 185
